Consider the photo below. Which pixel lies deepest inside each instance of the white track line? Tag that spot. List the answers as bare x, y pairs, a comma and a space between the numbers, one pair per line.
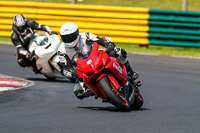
8, 83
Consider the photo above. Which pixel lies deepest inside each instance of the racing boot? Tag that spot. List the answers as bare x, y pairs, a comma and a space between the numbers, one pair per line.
81, 91
121, 55
130, 72
34, 68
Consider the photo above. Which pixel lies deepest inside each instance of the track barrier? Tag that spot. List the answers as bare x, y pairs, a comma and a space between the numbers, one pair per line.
129, 25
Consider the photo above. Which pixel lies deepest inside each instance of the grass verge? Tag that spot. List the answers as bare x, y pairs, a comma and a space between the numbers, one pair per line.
158, 50
5, 39
162, 50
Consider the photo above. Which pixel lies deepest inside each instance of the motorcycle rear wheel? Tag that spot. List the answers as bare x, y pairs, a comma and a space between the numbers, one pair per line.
50, 78
112, 97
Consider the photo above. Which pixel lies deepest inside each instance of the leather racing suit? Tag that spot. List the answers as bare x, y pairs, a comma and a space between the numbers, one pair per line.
21, 41
82, 48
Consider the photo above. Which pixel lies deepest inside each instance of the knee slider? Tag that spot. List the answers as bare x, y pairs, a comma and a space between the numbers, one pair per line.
121, 52
21, 62
124, 53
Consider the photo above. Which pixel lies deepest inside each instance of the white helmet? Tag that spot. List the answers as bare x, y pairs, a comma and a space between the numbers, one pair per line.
69, 33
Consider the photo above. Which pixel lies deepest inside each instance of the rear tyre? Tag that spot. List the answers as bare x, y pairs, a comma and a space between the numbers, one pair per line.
50, 78
112, 97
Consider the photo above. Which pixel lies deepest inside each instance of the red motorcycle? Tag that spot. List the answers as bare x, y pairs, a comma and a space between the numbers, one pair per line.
108, 79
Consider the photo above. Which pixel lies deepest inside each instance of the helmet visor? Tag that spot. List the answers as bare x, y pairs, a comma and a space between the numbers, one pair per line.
73, 44
70, 37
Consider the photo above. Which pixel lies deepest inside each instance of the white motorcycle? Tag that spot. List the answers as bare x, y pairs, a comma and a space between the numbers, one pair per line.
46, 47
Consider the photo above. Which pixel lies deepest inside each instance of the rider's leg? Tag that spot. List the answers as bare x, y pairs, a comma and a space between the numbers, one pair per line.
67, 69
61, 55
130, 71
23, 62
81, 91
122, 57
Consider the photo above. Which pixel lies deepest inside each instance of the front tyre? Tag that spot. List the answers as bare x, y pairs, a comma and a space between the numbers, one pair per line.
73, 80
138, 101
113, 95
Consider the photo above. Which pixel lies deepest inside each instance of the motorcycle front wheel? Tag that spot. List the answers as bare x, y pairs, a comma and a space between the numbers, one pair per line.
114, 96
138, 102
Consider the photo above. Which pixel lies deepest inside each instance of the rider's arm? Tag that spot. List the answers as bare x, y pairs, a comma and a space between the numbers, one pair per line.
18, 44
104, 41
37, 26
66, 65
20, 47
108, 44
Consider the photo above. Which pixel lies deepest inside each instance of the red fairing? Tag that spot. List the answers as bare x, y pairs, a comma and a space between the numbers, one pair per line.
96, 63
117, 69
88, 67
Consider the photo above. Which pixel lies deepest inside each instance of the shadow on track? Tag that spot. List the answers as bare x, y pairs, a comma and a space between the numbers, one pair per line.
47, 80
109, 108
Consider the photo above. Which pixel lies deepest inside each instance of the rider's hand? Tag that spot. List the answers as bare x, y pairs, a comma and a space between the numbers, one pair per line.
47, 29
110, 47
107, 42
54, 33
31, 56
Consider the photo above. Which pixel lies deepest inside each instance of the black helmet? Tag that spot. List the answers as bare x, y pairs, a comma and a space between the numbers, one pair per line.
19, 21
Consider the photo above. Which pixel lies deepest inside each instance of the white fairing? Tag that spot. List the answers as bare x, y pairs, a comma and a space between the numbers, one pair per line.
46, 47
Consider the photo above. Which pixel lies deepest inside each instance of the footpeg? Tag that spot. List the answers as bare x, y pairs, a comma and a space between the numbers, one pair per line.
137, 84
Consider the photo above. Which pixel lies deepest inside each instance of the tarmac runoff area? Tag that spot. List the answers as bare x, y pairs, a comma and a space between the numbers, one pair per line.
8, 83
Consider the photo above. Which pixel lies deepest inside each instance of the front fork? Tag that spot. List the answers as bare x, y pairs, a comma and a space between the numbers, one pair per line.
130, 88
127, 89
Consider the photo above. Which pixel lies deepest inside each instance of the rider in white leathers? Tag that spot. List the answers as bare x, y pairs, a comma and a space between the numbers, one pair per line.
75, 43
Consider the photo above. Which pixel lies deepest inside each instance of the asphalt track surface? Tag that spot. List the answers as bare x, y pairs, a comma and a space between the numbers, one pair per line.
170, 87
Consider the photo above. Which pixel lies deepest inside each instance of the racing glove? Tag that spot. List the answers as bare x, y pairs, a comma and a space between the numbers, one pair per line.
31, 56
54, 33
47, 29
110, 47
107, 43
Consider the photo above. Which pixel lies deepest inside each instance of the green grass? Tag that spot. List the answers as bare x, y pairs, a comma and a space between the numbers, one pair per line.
158, 50
5, 39
193, 5
162, 50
